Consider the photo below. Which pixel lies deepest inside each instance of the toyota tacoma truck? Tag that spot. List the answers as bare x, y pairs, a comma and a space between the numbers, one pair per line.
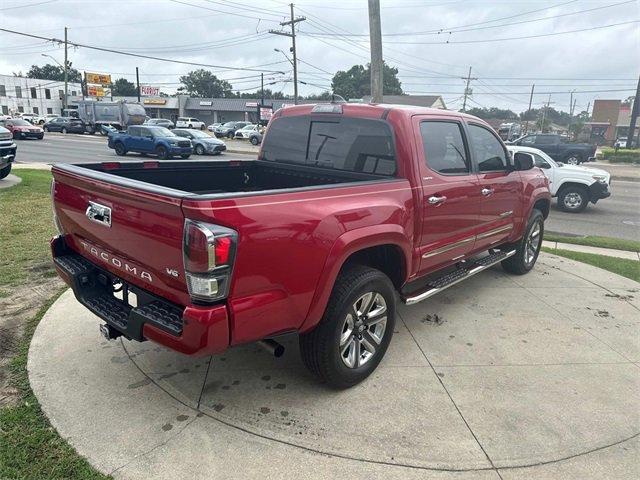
7, 152
346, 208
558, 148
143, 139
573, 185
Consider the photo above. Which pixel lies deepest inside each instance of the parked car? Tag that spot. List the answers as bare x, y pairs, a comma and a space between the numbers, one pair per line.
7, 152
158, 141
22, 129
319, 235
202, 142
190, 122
161, 122
621, 142
557, 147
573, 185
29, 117
42, 119
229, 129
213, 126
65, 125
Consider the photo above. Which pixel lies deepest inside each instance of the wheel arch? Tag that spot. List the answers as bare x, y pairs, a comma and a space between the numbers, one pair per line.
378, 246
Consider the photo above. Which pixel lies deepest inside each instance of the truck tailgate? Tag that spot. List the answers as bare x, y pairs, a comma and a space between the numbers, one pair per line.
140, 241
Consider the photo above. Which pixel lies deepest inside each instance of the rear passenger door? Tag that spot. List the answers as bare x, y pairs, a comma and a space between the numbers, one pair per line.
500, 186
451, 195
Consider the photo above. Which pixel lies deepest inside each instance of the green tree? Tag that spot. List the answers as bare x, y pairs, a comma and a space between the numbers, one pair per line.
54, 72
123, 88
319, 96
493, 112
356, 82
202, 83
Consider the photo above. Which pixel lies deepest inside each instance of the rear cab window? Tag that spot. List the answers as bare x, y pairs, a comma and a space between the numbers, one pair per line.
339, 143
444, 147
488, 151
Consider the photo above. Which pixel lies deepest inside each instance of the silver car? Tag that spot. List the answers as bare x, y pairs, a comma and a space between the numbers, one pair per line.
203, 144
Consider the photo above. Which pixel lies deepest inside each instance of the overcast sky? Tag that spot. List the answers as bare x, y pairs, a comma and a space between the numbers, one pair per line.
480, 34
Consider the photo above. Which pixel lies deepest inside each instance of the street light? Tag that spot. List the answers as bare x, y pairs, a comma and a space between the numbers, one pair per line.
64, 68
285, 55
52, 58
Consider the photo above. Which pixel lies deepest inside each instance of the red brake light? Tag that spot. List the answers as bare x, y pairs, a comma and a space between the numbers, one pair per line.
223, 247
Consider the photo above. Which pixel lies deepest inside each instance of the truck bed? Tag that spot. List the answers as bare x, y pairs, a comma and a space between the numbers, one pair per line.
216, 178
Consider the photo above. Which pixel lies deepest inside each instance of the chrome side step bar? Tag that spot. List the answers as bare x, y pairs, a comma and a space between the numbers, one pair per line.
446, 281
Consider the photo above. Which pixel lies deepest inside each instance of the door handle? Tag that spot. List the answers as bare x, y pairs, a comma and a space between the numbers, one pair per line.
436, 200
486, 191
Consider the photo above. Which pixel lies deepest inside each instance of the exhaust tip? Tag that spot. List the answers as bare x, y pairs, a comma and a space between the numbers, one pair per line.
274, 348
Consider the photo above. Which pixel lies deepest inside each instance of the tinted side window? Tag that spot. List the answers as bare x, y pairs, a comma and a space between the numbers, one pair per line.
545, 140
529, 140
487, 149
444, 147
135, 131
351, 144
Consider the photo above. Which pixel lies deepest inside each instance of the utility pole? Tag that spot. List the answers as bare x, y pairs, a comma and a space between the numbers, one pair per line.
375, 39
138, 84
544, 113
634, 117
66, 72
292, 35
467, 90
526, 123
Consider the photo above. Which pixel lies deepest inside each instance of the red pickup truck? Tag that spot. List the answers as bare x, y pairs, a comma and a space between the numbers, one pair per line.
346, 208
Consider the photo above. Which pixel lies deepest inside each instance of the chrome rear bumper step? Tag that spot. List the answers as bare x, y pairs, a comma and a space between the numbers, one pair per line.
467, 269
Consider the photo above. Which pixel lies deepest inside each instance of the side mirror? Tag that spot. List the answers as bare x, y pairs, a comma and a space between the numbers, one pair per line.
523, 161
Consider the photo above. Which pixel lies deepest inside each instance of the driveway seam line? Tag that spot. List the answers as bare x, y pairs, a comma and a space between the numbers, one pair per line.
204, 382
450, 397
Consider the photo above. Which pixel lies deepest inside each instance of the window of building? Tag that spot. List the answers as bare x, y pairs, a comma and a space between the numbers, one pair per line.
49, 110
47, 94
5, 110
18, 91
33, 92
21, 109
73, 93
36, 110
487, 149
61, 94
3, 91
444, 148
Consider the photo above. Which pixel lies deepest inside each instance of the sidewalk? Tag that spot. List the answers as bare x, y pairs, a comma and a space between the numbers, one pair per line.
608, 252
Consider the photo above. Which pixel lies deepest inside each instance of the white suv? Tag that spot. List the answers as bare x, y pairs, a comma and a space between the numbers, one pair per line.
574, 185
189, 122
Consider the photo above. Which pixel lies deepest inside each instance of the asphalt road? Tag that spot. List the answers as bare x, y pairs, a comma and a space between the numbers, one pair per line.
617, 216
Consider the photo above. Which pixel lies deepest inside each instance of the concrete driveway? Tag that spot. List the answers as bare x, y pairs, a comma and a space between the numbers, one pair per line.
507, 377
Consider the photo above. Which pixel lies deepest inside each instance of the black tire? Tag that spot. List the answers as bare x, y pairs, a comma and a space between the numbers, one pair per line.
162, 152
230, 135
5, 171
185, 156
573, 159
199, 150
202, 127
45, 128
320, 348
16, 135
190, 126
573, 198
63, 130
254, 141
119, 148
526, 252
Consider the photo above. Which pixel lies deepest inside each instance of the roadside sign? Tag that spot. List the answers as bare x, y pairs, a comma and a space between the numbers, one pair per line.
149, 91
95, 91
154, 101
266, 113
98, 78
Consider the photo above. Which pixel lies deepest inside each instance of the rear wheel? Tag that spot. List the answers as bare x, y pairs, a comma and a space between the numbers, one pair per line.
5, 171
230, 135
45, 128
64, 130
573, 198
355, 331
573, 159
119, 148
528, 248
254, 141
162, 152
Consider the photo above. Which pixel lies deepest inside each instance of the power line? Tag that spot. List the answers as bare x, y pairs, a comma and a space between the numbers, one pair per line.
29, 5
131, 54
225, 11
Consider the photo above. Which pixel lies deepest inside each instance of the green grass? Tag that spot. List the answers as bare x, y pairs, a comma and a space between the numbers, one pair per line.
622, 155
621, 266
595, 241
26, 226
30, 447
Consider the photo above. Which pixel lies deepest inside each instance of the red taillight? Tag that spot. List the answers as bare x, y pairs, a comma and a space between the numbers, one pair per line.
209, 252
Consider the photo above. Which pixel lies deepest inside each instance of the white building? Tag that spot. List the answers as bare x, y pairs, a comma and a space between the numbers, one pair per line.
33, 95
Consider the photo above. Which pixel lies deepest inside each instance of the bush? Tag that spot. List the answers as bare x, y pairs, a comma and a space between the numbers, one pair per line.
622, 155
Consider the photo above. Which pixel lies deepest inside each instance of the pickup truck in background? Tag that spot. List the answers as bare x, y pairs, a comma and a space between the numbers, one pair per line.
150, 140
574, 185
558, 148
346, 206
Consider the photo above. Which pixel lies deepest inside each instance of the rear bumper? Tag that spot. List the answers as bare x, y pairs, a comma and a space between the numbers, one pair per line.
191, 330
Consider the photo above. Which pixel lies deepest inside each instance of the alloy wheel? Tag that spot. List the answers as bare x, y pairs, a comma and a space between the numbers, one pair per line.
533, 243
572, 200
573, 160
363, 330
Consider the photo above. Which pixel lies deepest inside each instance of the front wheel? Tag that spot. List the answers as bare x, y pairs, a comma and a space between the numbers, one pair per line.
199, 150
64, 130
162, 153
254, 141
528, 248
573, 199
45, 128
230, 135
354, 333
5, 171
